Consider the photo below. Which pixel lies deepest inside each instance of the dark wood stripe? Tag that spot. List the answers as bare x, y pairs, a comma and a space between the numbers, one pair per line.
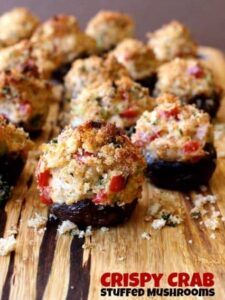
3, 218
30, 181
46, 257
7, 285
79, 274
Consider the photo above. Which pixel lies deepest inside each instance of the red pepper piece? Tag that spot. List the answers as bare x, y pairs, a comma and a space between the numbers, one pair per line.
117, 184
154, 136
171, 113
45, 199
191, 146
129, 113
196, 71
43, 178
100, 197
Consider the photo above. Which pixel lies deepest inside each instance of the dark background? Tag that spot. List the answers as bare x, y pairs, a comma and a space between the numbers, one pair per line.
205, 18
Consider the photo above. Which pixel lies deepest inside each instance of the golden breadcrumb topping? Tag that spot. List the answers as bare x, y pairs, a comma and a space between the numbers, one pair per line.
108, 28
16, 25
13, 139
172, 40
24, 99
19, 58
121, 102
92, 71
136, 57
185, 78
58, 41
173, 132
93, 161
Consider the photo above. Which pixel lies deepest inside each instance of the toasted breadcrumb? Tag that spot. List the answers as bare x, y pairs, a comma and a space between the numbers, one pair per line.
158, 223
104, 229
37, 222
145, 236
7, 245
66, 226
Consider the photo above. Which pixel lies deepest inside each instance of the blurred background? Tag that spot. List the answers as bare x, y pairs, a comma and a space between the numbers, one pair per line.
205, 18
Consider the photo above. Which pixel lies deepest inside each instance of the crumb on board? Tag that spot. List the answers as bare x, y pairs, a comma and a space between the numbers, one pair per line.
65, 227
158, 223
69, 227
145, 236
190, 241
199, 202
7, 245
88, 245
213, 236
213, 222
37, 222
121, 258
104, 229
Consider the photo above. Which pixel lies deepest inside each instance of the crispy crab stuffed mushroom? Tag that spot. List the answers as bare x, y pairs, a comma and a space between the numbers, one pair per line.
121, 102
14, 146
91, 175
176, 141
19, 57
171, 41
139, 60
24, 99
57, 42
192, 82
16, 25
108, 28
92, 71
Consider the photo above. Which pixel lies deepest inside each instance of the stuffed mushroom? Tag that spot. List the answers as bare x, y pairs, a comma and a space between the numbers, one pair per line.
91, 175
16, 25
14, 145
24, 99
121, 102
108, 28
19, 57
192, 82
171, 41
139, 60
57, 42
92, 71
177, 143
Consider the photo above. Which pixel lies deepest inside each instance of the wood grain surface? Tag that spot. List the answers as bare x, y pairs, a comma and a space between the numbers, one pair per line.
48, 266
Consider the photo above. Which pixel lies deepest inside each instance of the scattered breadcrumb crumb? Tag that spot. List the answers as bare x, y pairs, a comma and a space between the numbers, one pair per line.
52, 216
88, 245
213, 222
121, 258
158, 223
88, 231
190, 241
7, 245
154, 208
212, 236
145, 236
81, 234
12, 231
65, 227
104, 229
37, 222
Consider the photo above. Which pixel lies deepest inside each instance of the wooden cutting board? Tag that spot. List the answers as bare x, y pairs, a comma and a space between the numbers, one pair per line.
48, 266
